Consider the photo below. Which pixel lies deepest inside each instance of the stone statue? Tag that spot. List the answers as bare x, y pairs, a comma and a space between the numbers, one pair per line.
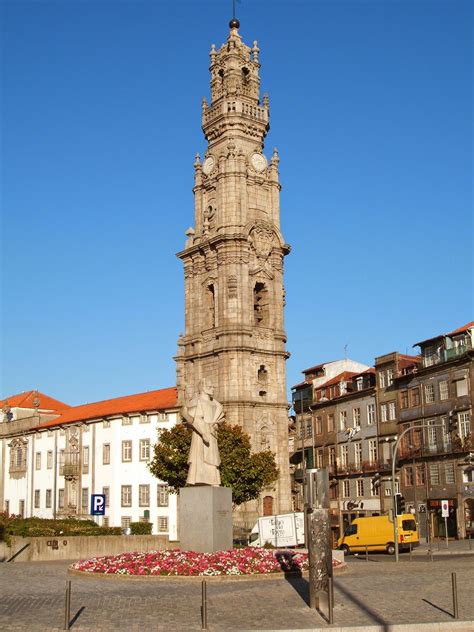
202, 413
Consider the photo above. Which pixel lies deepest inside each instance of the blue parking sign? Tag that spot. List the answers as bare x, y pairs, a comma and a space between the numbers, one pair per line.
98, 505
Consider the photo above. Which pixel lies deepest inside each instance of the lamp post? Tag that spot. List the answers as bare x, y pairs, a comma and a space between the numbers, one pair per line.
394, 458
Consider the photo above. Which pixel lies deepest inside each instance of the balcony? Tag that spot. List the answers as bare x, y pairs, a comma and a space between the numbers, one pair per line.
445, 355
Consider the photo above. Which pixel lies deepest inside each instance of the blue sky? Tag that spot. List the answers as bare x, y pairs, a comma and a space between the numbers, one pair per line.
371, 111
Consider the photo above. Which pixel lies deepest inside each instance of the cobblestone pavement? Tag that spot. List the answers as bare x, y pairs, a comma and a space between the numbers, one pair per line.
376, 592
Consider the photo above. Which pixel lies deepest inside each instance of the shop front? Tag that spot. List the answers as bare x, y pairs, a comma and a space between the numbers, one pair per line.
438, 523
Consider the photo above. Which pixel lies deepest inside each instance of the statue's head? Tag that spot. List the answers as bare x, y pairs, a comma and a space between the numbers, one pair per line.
205, 386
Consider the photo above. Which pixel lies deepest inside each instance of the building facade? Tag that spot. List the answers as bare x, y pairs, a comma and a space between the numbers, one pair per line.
233, 266
350, 424
54, 457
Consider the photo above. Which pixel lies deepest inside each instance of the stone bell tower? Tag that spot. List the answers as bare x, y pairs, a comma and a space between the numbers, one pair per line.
233, 266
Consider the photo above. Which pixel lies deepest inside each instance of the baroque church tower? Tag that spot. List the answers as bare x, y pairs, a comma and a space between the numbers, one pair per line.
233, 267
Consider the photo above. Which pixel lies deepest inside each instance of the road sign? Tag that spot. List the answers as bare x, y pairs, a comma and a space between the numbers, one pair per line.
98, 505
444, 509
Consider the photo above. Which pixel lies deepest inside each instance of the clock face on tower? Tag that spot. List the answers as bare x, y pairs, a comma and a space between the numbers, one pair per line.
208, 165
258, 161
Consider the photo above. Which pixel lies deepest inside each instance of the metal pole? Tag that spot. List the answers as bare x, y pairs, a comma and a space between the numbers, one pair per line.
455, 596
469, 541
366, 553
446, 530
67, 605
204, 606
331, 601
410, 551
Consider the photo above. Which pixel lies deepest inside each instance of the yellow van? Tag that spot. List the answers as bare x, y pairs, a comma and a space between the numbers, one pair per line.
376, 533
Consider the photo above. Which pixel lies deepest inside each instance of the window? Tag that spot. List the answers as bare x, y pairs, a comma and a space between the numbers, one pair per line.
106, 454
126, 495
383, 412
319, 425
343, 419
351, 530
125, 522
126, 451
332, 456
320, 458
260, 304
105, 521
106, 492
61, 498
461, 387
162, 524
144, 495
370, 414
415, 396
85, 459
464, 424
373, 450
449, 476
429, 393
444, 390
331, 423
431, 435
358, 453
48, 498
144, 419
345, 489
309, 427
434, 474
144, 449
409, 476
162, 496
356, 416
38, 461
360, 383
126, 421
392, 411
420, 475
404, 399
360, 487
37, 498
389, 377
344, 455
106, 423
49, 459
382, 379
387, 491
85, 497
21, 507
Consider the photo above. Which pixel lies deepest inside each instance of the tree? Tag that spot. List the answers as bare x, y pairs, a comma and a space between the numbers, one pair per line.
245, 473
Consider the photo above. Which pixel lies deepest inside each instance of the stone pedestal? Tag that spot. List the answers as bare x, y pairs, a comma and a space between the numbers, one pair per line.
205, 519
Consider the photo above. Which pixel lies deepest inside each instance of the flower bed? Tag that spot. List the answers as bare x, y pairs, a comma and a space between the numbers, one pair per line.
247, 561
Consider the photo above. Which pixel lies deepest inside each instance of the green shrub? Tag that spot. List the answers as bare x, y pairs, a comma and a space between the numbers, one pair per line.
141, 528
43, 527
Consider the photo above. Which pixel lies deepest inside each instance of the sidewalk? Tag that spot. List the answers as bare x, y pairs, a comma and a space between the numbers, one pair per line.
375, 595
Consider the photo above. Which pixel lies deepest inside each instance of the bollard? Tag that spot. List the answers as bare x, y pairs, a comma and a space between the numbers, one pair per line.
330, 600
67, 605
366, 553
439, 545
469, 541
455, 596
410, 551
430, 553
204, 606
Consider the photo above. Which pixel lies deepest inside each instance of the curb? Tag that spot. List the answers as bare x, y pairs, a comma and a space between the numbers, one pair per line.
461, 626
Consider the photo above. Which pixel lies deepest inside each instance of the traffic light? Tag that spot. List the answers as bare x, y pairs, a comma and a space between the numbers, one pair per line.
399, 505
452, 422
375, 482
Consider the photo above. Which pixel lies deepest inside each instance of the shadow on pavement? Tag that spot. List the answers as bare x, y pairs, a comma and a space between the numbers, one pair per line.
374, 616
76, 616
437, 607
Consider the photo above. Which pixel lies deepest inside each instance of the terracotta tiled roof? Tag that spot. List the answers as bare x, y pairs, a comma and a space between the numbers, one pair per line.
152, 400
313, 368
405, 361
459, 330
344, 376
27, 400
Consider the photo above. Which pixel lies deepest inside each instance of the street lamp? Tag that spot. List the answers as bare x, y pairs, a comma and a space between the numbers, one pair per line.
394, 457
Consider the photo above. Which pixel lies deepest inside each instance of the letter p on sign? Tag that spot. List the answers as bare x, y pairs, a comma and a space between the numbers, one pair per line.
98, 505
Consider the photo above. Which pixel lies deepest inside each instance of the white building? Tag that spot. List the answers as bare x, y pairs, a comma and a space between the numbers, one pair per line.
54, 457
